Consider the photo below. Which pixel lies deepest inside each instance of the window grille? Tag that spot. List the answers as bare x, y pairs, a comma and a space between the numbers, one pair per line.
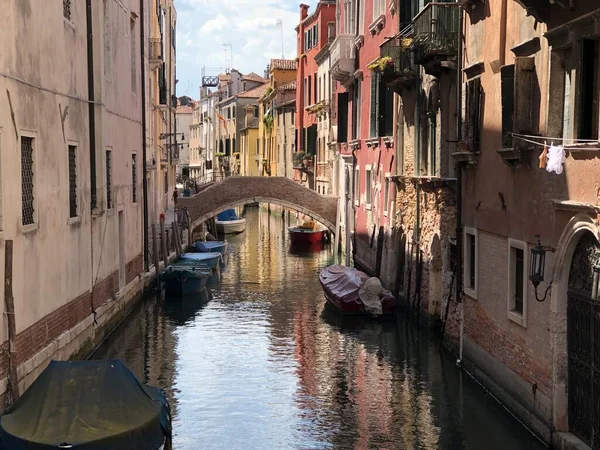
134, 176
27, 193
108, 179
72, 181
67, 12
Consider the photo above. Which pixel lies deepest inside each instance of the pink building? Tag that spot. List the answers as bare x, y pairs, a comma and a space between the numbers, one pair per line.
365, 121
312, 33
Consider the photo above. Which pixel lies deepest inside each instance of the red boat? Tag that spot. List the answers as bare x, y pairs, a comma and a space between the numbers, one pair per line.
307, 234
343, 287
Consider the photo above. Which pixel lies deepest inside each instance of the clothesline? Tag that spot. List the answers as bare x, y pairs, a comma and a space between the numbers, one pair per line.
548, 138
542, 144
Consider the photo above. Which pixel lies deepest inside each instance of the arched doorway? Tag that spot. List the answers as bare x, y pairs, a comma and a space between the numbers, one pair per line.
583, 340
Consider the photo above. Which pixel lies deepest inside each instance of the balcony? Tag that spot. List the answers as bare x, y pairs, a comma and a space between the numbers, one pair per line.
156, 58
342, 57
436, 36
403, 73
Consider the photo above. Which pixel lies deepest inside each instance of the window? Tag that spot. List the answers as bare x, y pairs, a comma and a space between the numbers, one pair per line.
134, 177
357, 186
67, 10
166, 186
386, 195
315, 35
356, 109
378, 8
133, 56
72, 181
382, 108
342, 117
315, 78
27, 185
588, 118
361, 17
309, 98
109, 202
517, 83
517, 282
320, 96
368, 186
473, 110
470, 264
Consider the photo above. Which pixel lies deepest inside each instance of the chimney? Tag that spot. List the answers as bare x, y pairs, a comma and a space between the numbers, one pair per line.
330, 31
303, 11
267, 70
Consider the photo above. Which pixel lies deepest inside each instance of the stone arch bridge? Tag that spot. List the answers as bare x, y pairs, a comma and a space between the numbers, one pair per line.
241, 190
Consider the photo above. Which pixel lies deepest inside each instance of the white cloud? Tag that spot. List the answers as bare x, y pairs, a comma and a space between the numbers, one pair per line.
203, 26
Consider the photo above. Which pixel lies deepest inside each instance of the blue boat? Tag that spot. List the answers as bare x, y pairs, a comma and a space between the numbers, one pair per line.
186, 276
211, 259
211, 246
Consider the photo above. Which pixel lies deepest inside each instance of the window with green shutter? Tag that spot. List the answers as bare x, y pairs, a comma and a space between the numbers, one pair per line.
373, 108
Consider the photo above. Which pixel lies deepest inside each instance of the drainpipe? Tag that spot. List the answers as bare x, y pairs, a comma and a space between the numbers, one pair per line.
144, 167
459, 167
91, 105
354, 206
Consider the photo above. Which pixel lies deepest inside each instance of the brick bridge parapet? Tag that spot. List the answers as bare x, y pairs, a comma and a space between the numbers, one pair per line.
241, 190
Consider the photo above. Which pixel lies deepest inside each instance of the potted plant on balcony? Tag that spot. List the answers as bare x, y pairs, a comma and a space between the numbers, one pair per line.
381, 65
298, 159
268, 122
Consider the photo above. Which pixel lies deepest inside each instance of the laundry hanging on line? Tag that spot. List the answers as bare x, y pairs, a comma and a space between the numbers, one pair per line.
556, 158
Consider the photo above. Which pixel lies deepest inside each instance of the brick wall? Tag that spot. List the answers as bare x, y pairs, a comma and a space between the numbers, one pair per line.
33, 339
133, 268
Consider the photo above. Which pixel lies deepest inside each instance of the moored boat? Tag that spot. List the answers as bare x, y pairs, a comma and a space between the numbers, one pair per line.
229, 223
211, 259
87, 405
306, 234
353, 292
186, 276
211, 246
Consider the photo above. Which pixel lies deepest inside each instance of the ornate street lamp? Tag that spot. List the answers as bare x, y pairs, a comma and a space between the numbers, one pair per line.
537, 267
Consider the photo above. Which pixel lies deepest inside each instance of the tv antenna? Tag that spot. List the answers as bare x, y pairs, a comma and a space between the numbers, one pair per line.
228, 62
280, 25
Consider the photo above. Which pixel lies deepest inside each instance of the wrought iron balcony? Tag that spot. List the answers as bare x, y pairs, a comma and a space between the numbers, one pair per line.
399, 49
156, 57
342, 56
436, 33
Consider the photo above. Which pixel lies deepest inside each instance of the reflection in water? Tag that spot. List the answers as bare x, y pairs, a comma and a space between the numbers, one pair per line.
259, 363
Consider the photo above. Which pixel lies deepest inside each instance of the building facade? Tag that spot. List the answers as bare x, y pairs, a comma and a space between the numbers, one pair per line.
184, 114
312, 34
285, 107
71, 161
161, 126
250, 155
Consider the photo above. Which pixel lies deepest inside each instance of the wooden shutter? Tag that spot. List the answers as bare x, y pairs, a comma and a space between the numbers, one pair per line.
373, 111
473, 113
385, 110
507, 77
343, 117
524, 108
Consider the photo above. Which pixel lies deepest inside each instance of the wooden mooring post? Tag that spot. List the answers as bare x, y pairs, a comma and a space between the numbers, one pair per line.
155, 249
163, 239
176, 239
9, 302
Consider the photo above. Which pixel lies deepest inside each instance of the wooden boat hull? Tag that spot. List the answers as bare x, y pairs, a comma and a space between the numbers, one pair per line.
299, 236
357, 309
186, 285
231, 226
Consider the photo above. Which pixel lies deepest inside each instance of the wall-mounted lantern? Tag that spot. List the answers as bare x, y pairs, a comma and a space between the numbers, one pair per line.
538, 266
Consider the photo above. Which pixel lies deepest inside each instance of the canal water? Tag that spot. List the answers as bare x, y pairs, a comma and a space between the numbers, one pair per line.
259, 363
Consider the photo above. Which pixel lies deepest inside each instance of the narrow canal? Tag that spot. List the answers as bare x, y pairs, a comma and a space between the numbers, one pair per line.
260, 365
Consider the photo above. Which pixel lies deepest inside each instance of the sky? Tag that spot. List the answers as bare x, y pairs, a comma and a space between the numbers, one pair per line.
250, 26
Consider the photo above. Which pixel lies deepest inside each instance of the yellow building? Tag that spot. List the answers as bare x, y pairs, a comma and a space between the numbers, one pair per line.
250, 157
281, 73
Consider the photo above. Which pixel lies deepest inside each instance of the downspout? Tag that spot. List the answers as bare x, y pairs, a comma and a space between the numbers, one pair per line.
459, 167
91, 103
354, 205
144, 165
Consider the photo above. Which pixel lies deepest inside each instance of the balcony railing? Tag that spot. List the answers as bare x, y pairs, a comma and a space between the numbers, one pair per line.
399, 49
436, 32
156, 57
342, 56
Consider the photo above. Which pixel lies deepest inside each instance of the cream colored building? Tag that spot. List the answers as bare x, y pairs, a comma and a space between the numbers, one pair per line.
71, 159
202, 137
161, 128
325, 156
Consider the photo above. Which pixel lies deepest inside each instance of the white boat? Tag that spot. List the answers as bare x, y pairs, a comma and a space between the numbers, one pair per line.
231, 226
229, 223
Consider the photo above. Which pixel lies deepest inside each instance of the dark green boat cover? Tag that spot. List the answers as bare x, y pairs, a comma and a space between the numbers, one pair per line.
90, 405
